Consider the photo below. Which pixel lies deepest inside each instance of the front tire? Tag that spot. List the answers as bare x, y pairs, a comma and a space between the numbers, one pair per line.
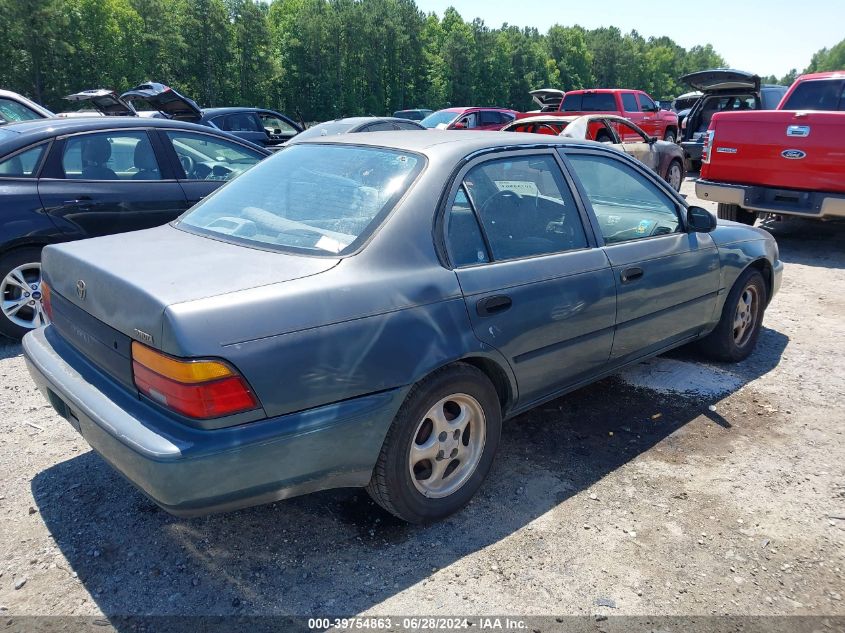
20, 292
671, 136
735, 336
736, 213
440, 446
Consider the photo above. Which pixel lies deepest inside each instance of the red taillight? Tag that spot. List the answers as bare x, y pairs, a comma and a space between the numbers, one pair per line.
180, 385
46, 304
707, 146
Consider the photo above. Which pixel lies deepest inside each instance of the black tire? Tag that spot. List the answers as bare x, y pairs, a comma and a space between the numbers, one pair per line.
675, 164
736, 213
721, 344
8, 263
391, 485
604, 137
671, 136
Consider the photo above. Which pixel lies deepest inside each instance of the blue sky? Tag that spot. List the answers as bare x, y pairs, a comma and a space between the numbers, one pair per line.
763, 36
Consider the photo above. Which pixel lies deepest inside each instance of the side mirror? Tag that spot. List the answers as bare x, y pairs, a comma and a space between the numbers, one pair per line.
652, 140
460, 125
700, 220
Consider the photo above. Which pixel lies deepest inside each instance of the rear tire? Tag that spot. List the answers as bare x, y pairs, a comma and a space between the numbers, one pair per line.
675, 175
736, 213
20, 292
735, 336
453, 414
604, 137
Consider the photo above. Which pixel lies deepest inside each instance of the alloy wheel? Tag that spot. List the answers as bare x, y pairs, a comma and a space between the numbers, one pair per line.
447, 445
745, 317
21, 296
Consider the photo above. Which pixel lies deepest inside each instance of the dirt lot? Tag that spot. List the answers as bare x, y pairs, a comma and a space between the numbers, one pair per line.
677, 488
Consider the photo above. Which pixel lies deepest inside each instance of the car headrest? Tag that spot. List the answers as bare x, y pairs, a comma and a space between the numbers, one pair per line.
96, 151
145, 159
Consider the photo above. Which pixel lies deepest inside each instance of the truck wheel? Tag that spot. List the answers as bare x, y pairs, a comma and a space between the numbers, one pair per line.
670, 136
20, 292
440, 446
735, 336
736, 213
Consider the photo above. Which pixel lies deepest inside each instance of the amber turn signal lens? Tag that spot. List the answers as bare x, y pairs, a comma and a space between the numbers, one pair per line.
185, 371
46, 302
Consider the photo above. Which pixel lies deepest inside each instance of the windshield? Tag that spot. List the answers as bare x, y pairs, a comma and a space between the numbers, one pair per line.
440, 118
321, 199
823, 94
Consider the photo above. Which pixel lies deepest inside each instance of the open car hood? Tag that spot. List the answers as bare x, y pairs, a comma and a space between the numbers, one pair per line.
547, 97
722, 79
105, 101
166, 100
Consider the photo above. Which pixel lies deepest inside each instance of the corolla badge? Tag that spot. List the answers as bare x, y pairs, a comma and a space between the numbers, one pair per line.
81, 289
793, 154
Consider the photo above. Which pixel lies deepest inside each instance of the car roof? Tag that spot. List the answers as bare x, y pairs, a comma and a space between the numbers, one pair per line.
232, 109
586, 90
27, 132
833, 74
445, 144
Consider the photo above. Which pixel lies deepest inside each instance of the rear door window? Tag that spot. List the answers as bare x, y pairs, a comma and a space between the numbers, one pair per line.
598, 102
822, 94
23, 164
116, 155
525, 207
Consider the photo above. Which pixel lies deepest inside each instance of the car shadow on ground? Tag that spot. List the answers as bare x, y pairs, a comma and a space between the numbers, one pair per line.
809, 242
286, 558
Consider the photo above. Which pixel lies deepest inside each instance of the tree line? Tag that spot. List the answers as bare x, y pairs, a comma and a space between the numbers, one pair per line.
321, 59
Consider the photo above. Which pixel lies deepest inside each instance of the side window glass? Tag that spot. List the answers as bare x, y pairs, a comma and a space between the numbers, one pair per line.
629, 102
628, 205
525, 207
406, 126
646, 104
110, 156
204, 157
24, 164
274, 125
381, 126
12, 111
242, 122
463, 235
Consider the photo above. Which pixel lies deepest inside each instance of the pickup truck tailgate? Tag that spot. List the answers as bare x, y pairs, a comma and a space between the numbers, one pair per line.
784, 149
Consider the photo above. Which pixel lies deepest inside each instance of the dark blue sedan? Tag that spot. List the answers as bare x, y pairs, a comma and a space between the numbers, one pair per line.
366, 309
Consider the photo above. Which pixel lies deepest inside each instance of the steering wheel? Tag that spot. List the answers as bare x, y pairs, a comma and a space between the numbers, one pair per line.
501, 195
188, 164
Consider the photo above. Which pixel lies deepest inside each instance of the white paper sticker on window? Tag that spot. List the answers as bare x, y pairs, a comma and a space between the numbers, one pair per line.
522, 187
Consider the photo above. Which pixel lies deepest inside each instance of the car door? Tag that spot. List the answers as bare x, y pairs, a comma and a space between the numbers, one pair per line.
635, 142
203, 162
278, 127
649, 119
245, 125
667, 279
537, 287
104, 182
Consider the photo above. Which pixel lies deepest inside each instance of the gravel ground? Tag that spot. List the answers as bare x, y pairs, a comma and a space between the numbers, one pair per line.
676, 488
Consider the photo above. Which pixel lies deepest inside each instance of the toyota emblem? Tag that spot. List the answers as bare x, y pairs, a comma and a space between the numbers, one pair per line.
80, 289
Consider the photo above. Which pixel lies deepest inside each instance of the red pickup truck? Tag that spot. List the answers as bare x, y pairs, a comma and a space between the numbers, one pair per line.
634, 105
788, 161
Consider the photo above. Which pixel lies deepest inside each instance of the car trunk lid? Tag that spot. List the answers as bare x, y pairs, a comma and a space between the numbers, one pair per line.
127, 281
722, 79
166, 100
547, 98
104, 101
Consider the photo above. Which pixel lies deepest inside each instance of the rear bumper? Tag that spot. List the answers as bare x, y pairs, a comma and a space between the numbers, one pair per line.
810, 204
191, 471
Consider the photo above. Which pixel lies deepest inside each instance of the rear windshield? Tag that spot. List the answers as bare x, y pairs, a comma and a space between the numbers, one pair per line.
589, 102
329, 128
320, 199
821, 94
443, 117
